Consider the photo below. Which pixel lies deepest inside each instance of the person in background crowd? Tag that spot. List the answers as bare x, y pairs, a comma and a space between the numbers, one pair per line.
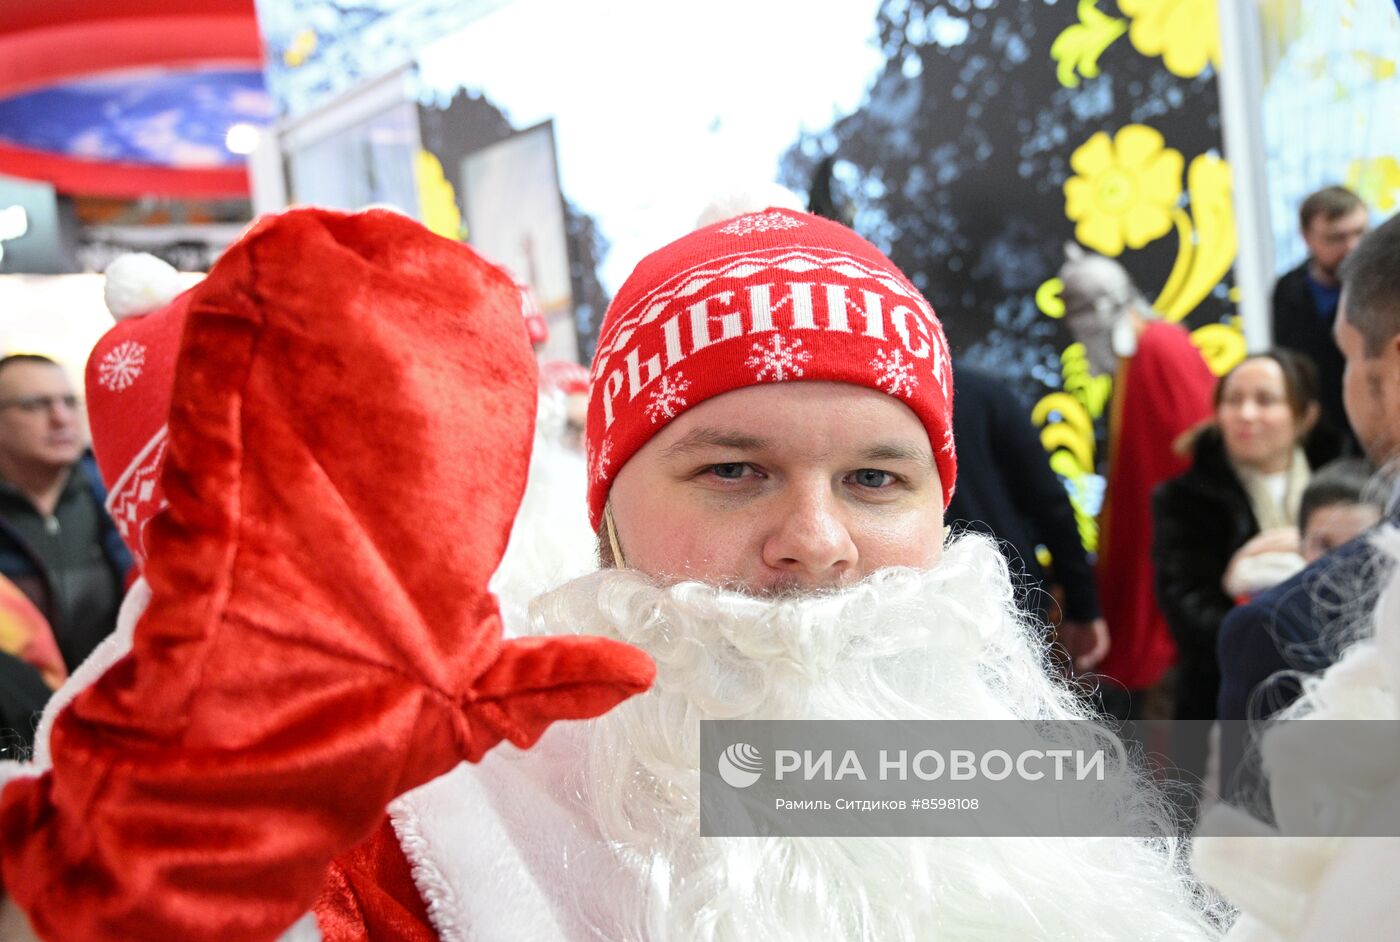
1332, 220
1341, 503
1161, 388
1239, 500
1338, 505
1301, 624
1007, 489
57, 543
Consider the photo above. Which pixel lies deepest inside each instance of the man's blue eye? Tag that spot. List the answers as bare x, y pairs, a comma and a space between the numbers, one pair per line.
869, 477
730, 471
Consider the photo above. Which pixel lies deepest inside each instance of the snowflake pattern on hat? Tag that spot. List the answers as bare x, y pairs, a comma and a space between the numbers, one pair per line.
893, 373
777, 360
602, 460
666, 399
760, 222
122, 366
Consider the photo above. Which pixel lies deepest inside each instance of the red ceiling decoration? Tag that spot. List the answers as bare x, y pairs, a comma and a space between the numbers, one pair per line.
45, 42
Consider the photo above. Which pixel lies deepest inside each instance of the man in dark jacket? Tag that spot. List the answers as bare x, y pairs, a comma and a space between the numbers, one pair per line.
23, 694
1299, 625
1333, 220
1006, 488
57, 543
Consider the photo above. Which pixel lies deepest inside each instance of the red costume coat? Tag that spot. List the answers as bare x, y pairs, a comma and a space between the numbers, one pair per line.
1160, 392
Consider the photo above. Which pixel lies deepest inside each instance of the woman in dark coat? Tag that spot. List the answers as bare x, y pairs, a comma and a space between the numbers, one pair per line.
1236, 504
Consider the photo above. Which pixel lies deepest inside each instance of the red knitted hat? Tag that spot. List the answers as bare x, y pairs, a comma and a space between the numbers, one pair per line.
129, 378
772, 296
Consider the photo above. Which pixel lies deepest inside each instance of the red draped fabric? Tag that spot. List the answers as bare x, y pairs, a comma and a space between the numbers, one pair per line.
370, 895
1160, 392
48, 41
44, 42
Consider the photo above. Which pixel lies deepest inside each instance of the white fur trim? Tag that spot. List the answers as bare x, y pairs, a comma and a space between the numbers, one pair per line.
444, 909
139, 284
455, 841
498, 853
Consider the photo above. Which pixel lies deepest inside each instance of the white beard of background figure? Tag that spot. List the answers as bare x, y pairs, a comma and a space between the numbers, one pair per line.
1103, 308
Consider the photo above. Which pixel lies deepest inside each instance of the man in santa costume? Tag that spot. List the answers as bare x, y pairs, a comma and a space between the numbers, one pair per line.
769, 457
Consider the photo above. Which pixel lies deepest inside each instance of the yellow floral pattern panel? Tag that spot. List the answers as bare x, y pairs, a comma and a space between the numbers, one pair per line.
1185, 33
1066, 421
1076, 51
1222, 346
1208, 242
1376, 181
1124, 190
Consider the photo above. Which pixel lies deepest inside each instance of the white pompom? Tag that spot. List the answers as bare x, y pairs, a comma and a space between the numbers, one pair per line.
139, 284
752, 199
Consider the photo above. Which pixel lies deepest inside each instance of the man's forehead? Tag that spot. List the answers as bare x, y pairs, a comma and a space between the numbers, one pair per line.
871, 445
1358, 218
32, 375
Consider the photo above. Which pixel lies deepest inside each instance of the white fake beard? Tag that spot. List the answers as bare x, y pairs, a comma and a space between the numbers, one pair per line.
943, 644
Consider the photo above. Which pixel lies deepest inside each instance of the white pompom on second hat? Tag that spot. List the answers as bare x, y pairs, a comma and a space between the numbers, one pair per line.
139, 284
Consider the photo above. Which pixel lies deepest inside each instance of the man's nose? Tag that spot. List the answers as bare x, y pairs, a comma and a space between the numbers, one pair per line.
810, 538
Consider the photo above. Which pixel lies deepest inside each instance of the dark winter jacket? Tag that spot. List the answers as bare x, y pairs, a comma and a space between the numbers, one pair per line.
1007, 488
1200, 519
24, 565
23, 694
1301, 327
